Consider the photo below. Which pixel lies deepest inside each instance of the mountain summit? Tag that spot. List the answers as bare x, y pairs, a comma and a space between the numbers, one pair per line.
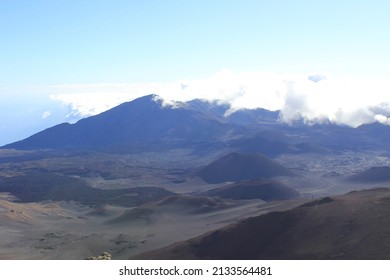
144, 121
150, 123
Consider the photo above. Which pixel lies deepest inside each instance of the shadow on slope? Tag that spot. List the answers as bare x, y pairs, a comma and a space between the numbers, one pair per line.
171, 206
332, 228
263, 189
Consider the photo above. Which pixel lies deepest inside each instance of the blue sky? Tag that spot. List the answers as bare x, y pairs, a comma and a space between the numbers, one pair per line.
55, 53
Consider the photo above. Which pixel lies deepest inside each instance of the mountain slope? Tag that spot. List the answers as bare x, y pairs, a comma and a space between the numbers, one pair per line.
254, 116
266, 190
45, 186
331, 228
143, 122
372, 175
236, 167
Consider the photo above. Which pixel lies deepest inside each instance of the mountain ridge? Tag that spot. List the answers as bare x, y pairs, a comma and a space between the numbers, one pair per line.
334, 228
149, 123
145, 120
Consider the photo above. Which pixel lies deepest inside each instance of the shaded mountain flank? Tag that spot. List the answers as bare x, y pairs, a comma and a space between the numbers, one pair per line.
242, 116
143, 122
263, 189
375, 174
37, 187
236, 167
148, 123
341, 227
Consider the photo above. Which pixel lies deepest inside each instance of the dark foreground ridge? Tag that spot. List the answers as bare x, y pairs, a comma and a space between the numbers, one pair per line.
333, 228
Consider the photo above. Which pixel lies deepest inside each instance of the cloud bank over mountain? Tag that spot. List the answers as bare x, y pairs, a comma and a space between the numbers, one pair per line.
313, 97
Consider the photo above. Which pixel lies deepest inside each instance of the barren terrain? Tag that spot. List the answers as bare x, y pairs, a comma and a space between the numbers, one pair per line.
70, 230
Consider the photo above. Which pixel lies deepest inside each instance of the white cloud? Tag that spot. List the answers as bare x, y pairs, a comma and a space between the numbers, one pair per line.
313, 97
46, 114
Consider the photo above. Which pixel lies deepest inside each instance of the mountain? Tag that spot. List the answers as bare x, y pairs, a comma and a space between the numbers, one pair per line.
336, 137
144, 122
377, 134
266, 190
372, 175
330, 228
215, 109
149, 123
240, 116
254, 116
236, 167
272, 142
